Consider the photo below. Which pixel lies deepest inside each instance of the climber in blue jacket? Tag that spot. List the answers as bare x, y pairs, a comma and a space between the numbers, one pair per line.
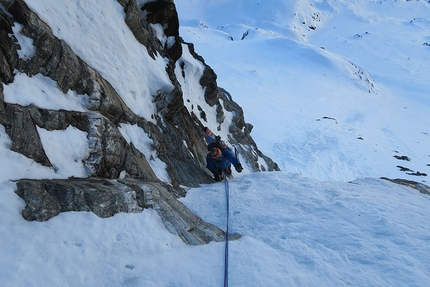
219, 161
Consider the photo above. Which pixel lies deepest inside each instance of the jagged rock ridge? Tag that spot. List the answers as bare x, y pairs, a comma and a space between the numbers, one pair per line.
175, 131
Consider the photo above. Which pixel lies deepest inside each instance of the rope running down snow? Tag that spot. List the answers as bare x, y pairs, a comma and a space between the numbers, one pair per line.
227, 193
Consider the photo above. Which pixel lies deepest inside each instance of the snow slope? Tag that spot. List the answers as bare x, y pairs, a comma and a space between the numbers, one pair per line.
295, 232
337, 101
332, 118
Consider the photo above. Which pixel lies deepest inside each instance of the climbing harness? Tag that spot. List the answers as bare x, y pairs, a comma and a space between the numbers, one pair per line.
227, 193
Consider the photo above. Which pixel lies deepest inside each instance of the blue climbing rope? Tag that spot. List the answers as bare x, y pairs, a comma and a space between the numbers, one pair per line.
227, 193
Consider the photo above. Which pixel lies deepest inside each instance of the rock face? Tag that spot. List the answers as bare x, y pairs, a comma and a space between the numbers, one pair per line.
421, 187
47, 198
175, 132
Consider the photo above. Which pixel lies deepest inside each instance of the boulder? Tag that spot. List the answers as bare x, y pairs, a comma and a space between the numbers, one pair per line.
47, 198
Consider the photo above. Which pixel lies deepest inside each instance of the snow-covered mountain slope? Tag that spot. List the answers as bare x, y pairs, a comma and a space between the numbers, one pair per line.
313, 113
335, 89
295, 232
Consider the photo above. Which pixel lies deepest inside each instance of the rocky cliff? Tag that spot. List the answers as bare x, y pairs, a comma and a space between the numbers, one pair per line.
119, 176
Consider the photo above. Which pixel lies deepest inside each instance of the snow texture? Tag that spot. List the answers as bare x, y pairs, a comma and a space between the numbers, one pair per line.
335, 90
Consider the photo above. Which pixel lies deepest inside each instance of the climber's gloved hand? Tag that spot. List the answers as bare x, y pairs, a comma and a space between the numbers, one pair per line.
238, 167
218, 177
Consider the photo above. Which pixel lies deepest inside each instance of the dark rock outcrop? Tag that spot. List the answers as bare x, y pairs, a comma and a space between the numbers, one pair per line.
18, 119
8, 48
2, 108
163, 12
421, 187
47, 198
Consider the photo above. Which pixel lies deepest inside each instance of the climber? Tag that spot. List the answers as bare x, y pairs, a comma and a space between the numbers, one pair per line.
219, 161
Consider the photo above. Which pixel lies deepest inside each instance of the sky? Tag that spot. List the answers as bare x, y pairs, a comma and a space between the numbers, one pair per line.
334, 89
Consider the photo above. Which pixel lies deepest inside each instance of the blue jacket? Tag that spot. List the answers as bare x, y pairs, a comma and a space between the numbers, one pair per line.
216, 167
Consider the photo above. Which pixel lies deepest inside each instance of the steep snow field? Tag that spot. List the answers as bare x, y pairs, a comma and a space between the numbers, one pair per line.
334, 89
335, 101
295, 232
